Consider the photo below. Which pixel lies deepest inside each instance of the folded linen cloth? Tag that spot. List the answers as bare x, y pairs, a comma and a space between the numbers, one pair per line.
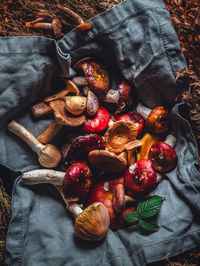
137, 42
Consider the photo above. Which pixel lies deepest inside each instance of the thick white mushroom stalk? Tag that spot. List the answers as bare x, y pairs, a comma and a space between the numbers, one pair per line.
143, 111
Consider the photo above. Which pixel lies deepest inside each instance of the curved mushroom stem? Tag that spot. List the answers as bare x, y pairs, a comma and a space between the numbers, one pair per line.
170, 140
131, 147
70, 88
143, 110
49, 133
39, 176
119, 199
49, 156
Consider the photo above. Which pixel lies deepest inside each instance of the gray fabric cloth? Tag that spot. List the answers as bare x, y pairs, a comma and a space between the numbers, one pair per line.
137, 42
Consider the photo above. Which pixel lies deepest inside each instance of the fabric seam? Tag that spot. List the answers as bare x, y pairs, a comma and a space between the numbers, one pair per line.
164, 43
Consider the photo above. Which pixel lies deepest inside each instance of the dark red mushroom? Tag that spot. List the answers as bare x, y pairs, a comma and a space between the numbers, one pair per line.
163, 157
132, 117
77, 181
140, 178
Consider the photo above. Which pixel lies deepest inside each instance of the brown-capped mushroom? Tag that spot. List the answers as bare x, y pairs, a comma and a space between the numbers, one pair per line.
120, 133
92, 223
96, 75
107, 161
157, 120
92, 103
48, 155
61, 116
75, 105
70, 88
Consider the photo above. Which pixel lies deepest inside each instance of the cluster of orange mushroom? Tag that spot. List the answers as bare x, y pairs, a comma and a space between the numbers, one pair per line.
131, 164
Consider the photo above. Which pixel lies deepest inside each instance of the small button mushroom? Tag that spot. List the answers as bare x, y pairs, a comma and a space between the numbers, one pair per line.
157, 120
98, 123
120, 133
61, 116
92, 103
120, 96
163, 156
107, 161
75, 105
96, 75
92, 223
140, 178
48, 155
70, 88
131, 117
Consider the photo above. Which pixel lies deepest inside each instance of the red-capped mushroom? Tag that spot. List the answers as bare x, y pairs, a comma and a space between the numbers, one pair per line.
77, 181
103, 191
131, 117
98, 123
121, 96
163, 156
82, 145
157, 120
96, 75
140, 178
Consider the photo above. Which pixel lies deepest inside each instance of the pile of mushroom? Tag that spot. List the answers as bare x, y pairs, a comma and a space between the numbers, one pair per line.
132, 163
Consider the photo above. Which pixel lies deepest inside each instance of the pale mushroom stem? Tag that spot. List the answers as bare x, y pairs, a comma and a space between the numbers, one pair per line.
143, 111
159, 178
39, 176
26, 136
170, 140
80, 81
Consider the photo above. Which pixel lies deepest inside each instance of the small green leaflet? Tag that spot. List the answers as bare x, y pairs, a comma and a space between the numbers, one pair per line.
150, 206
150, 225
132, 217
145, 211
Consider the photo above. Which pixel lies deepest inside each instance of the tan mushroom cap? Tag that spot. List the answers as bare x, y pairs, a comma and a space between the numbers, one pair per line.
107, 161
120, 133
61, 116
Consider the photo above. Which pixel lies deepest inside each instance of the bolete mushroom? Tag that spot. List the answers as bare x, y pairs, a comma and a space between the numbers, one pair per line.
75, 105
140, 178
157, 120
92, 223
120, 133
48, 155
96, 75
61, 116
163, 156
107, 161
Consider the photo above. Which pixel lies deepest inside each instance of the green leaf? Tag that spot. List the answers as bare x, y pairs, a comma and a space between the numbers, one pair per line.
150, 206
131, 217
149, 225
